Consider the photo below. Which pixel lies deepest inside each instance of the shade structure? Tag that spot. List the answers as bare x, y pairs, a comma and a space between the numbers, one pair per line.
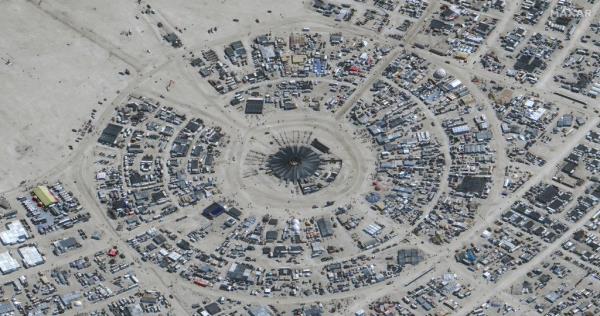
44, 195
294, 163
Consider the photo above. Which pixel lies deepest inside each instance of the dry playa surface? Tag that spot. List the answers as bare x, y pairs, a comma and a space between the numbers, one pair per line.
142, 134
52, 80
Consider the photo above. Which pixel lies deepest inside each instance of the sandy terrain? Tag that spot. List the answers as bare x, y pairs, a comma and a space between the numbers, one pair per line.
62, 60
45, 92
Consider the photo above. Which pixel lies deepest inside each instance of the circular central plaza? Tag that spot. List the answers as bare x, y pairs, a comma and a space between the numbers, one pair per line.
294, 163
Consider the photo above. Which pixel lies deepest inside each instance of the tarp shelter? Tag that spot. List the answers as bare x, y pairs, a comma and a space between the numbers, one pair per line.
16, 233
213, 211
320, 146
254, 105
325, 227
31, 256
44, 196
7, 263
110, 134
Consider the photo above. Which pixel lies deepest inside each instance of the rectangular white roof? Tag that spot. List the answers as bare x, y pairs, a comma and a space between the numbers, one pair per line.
16, 233
7, 263
455, 83
31, 256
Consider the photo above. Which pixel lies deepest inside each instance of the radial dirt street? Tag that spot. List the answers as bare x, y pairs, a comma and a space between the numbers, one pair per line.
305, 158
